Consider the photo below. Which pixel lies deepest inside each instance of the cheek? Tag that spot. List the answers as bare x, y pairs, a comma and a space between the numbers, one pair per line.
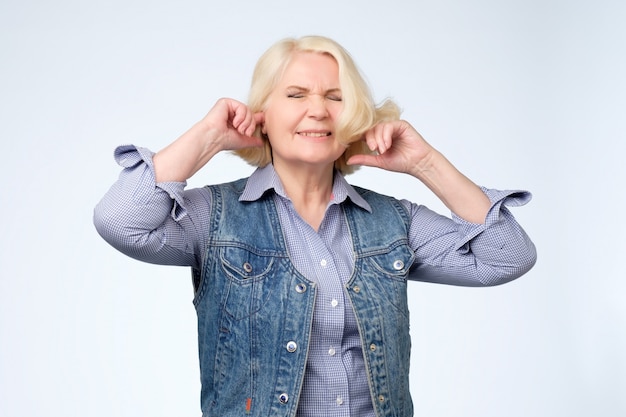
335, 111
283, 120
275, 129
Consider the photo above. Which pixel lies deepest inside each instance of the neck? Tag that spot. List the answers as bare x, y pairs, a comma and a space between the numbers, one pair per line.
309, 189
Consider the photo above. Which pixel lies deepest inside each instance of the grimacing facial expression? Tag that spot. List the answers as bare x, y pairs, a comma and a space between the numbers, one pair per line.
301, 112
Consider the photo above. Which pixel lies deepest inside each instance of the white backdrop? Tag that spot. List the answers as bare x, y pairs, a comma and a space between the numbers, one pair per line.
517, 93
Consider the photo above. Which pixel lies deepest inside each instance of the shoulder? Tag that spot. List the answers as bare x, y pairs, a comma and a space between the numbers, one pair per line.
382, 204
375, 197
231, 188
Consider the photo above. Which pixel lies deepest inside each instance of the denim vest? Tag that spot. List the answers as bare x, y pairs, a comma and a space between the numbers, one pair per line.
255, 309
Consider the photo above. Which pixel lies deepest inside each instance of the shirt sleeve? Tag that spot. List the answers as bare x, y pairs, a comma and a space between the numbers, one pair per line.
456, 252
153, 222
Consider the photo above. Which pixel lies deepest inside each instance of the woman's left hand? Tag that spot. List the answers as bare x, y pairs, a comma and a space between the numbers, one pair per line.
399, 147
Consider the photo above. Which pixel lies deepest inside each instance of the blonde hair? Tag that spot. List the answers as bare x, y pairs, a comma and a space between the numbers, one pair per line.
359, 112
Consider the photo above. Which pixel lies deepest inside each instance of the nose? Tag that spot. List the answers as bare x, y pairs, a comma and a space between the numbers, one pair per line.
317, 107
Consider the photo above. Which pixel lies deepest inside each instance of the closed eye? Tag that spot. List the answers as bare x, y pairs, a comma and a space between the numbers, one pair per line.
294, 91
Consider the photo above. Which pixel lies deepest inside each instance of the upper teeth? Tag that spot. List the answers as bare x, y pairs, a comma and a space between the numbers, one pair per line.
317, 135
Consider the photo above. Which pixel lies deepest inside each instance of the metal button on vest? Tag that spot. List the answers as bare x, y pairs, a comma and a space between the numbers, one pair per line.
247, 267
373, 347
381, 398
300, 288
356, 288
292, 346
398, 264
283, 398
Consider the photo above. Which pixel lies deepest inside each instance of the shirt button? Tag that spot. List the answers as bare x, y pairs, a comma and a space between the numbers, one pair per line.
398, 264
331, 351
339, 400
323, 262
300, 288
291, 346
283, 398
334, 303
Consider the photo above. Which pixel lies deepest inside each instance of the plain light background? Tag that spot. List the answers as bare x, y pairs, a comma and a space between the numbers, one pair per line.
517, 93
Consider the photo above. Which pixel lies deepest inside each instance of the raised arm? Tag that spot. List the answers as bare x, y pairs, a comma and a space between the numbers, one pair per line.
482, 244
147, 213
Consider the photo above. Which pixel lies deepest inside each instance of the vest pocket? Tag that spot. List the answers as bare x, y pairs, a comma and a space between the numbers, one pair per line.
247, 273
385, 274
395, 263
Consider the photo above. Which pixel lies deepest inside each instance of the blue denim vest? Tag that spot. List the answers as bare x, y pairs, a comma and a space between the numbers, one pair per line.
255, 309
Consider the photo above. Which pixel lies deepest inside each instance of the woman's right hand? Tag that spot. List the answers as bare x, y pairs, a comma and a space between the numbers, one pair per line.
229, 125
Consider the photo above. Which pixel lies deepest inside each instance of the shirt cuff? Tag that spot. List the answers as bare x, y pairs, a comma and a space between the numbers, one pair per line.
131, 157
500, 199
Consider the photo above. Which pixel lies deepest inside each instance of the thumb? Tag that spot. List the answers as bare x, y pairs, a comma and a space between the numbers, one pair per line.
259, 120
259, 117
366, 160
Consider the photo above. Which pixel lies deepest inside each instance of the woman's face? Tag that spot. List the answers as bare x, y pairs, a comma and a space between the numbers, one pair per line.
301, 112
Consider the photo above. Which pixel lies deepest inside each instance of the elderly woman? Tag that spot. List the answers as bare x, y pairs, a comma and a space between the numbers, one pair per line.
299, 277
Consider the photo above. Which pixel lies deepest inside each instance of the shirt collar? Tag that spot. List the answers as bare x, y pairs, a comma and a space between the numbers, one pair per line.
265, 179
